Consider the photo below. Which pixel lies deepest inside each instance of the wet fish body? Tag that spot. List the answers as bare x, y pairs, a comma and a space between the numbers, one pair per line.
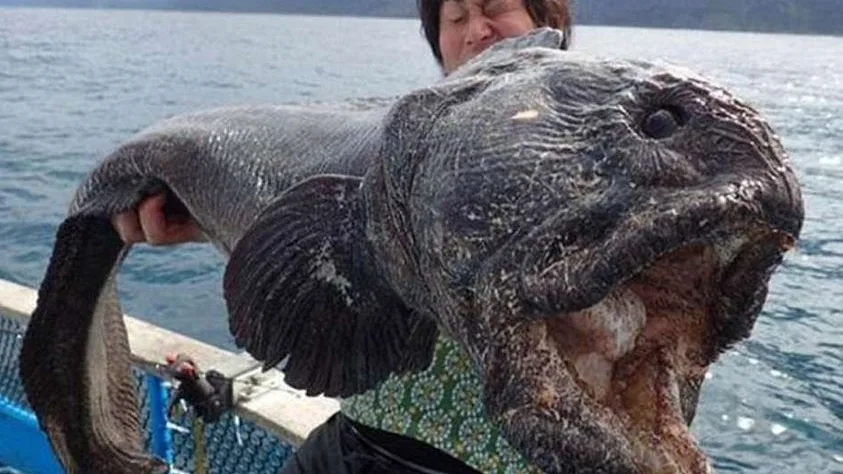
593, 232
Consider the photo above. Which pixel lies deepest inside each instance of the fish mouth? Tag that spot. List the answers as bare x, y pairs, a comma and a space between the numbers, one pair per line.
640, 356
613, 349
635, 359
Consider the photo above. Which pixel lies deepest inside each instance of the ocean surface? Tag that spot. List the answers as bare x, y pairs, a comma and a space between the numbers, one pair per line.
75, 83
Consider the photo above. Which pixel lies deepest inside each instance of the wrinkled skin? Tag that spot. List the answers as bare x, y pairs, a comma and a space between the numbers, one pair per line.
592, 232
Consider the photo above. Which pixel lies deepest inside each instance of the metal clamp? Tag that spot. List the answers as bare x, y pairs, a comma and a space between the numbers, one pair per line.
210, 396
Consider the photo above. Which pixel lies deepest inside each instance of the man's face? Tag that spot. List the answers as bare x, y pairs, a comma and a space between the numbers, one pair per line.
467, 27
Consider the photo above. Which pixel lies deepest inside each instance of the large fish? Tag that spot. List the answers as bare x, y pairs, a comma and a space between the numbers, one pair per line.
593, 232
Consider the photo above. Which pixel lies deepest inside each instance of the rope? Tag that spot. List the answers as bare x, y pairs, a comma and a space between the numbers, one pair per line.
200, 457
200, 454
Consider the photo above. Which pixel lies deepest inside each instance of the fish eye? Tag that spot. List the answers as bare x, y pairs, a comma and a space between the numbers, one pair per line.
663, 122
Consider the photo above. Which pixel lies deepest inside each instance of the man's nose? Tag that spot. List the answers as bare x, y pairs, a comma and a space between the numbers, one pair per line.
479, 31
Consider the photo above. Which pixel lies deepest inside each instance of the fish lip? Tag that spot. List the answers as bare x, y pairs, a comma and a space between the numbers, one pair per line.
732, 225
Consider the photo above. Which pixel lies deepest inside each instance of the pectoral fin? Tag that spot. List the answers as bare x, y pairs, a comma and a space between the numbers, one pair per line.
302, 283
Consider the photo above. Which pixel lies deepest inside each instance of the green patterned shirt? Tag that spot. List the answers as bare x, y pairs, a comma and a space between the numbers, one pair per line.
442, 406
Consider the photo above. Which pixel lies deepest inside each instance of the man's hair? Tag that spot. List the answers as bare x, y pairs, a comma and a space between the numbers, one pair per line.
552, 13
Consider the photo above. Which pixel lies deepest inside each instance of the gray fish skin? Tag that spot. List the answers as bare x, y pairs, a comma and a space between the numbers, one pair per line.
226, 164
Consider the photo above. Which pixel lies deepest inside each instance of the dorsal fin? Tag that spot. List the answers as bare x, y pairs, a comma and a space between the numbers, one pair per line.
500, 53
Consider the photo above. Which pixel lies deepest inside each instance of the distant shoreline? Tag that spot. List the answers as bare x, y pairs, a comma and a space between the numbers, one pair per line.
409, 16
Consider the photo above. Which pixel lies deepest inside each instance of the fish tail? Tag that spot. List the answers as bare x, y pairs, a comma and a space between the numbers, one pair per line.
76, 343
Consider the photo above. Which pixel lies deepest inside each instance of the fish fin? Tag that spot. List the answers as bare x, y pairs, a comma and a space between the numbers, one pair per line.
543, 37
497, 58
75, 361
301, 285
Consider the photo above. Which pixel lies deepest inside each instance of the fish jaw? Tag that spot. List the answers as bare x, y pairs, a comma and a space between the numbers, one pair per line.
613, 387
554, 417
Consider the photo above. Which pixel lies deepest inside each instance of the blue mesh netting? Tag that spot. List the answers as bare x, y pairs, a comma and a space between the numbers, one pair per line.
10, 385
260, 451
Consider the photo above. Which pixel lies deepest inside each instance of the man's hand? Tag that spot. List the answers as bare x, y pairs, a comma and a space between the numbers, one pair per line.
152, 225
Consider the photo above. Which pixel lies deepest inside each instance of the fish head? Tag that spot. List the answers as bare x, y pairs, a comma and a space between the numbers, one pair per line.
594, 233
